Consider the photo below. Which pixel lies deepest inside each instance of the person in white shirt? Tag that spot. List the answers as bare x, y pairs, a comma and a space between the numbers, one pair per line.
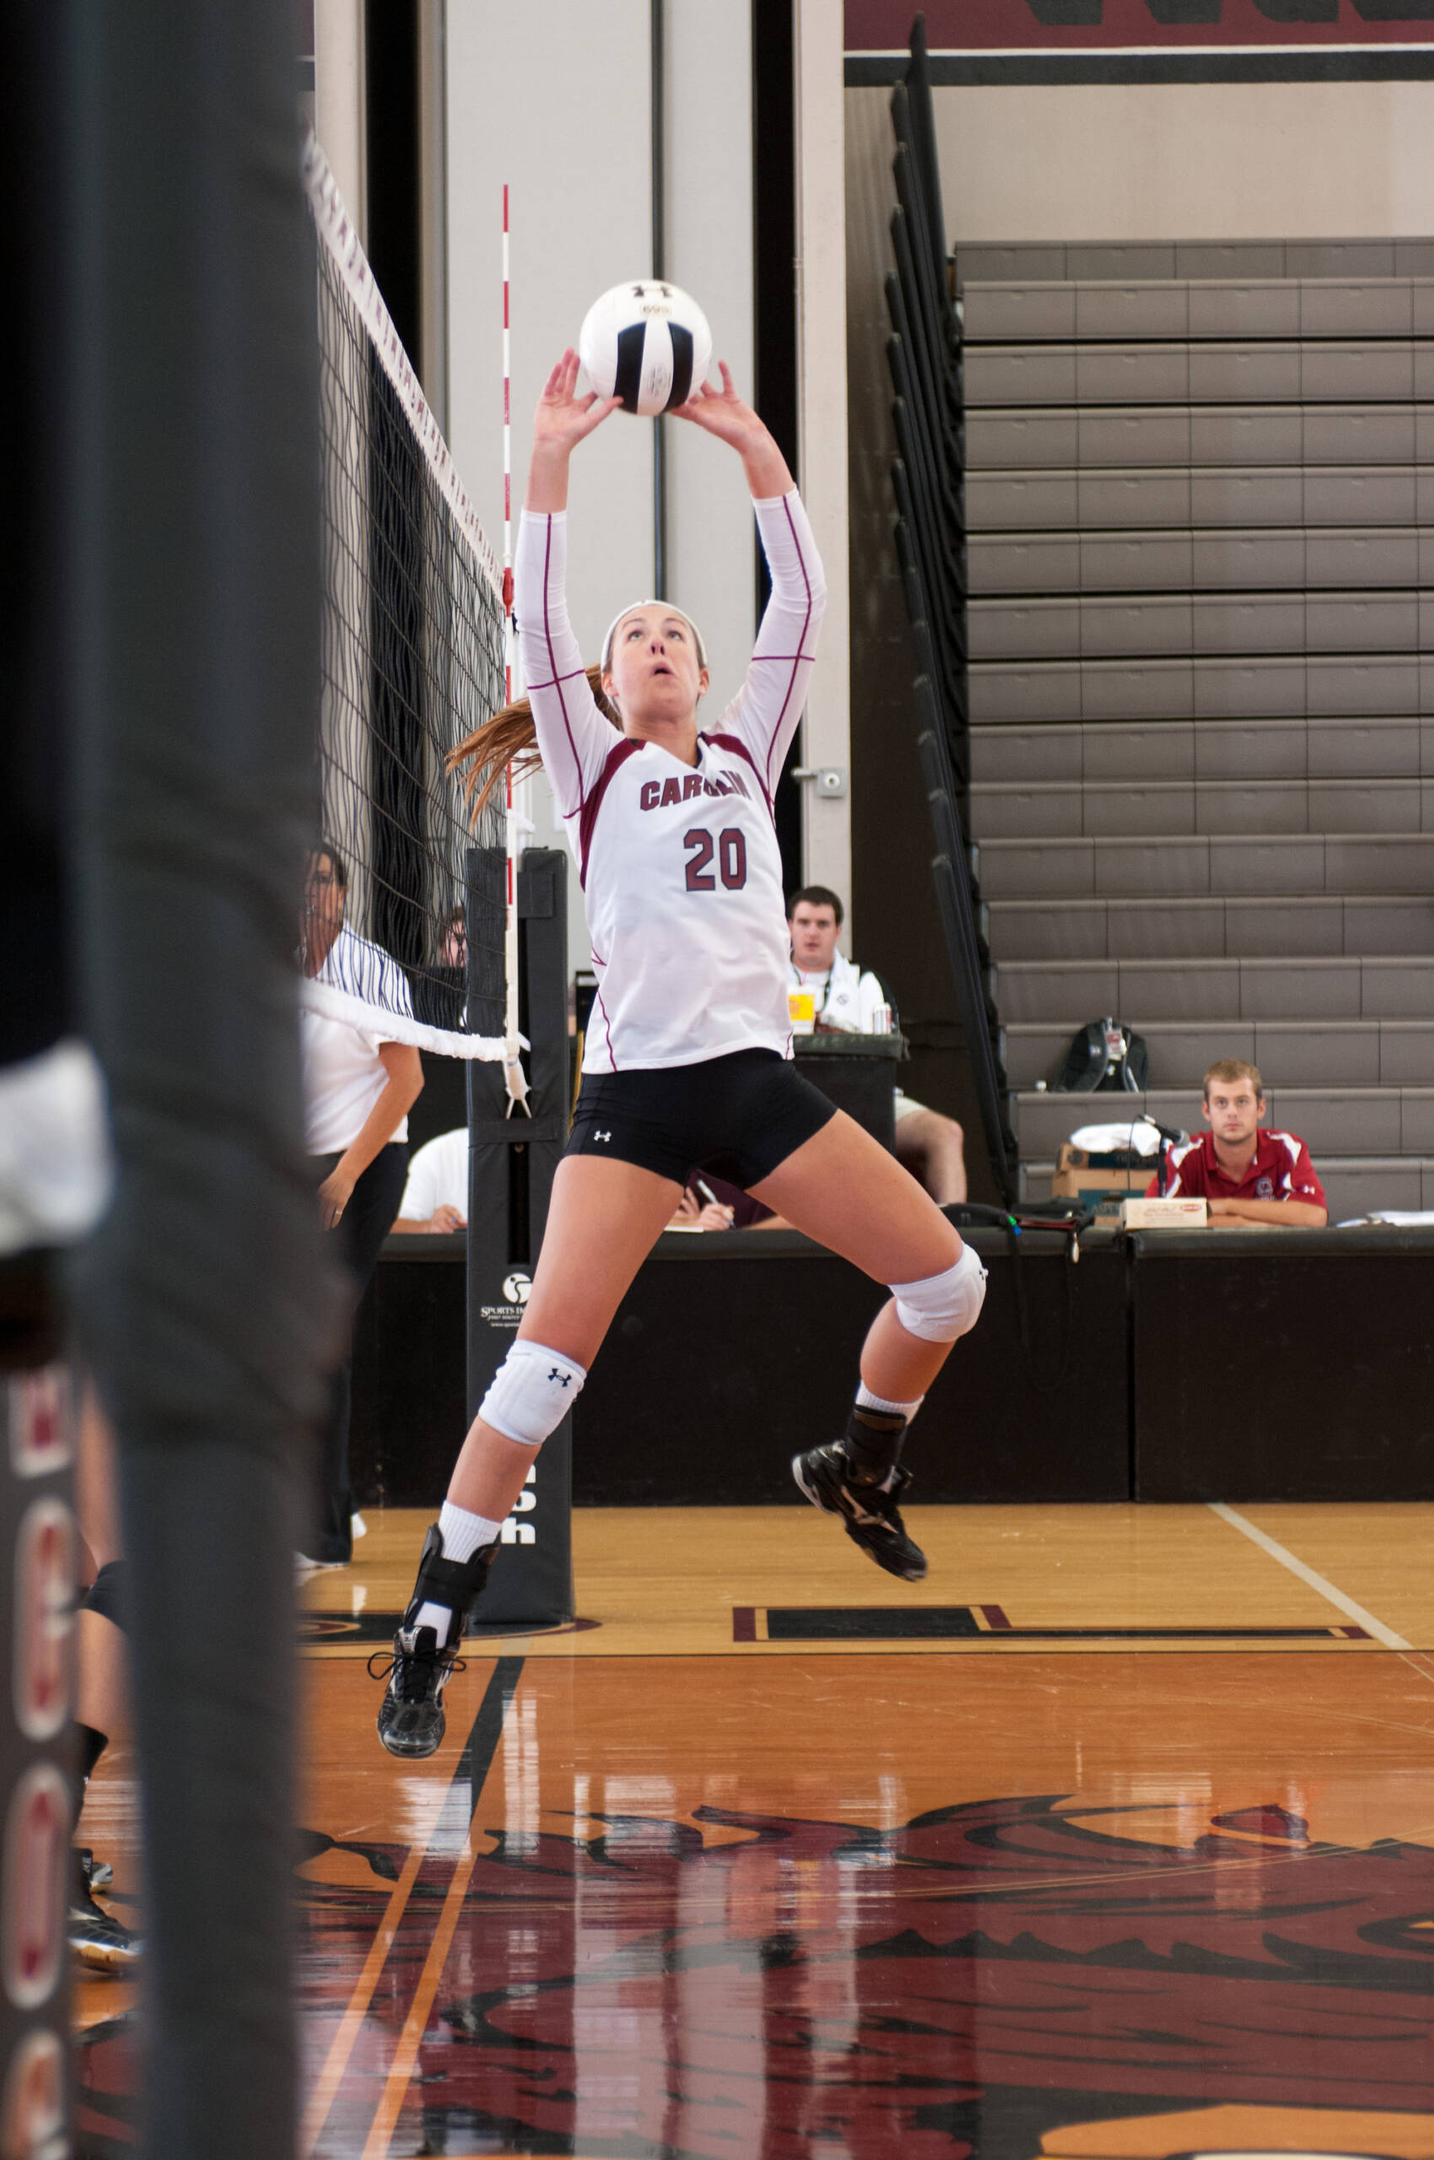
687, 1057
853, 999
358, 1091
435, 1198
436, 1195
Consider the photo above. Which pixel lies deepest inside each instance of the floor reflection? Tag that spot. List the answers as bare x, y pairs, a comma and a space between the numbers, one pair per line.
963, 1982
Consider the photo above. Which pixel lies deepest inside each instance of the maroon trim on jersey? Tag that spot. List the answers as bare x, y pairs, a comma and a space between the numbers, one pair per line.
607, 1025
553, 663
735, 742
598, 961
618, 755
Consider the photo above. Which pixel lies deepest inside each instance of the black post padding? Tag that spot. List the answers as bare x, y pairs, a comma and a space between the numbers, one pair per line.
37, 1008
543, 925
208, 1312
37, 1424
511, 1163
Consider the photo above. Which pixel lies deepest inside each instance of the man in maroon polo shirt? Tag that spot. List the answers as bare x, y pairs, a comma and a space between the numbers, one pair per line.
1245, 1174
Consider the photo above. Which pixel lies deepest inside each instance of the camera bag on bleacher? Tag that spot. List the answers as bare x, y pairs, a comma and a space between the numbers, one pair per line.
1105, 1057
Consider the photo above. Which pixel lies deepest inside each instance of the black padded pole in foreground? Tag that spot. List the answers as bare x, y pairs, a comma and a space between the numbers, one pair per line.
194, 493
36, 1422
511, 1162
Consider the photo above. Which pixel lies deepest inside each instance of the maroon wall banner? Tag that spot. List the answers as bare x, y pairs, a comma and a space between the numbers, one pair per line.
1150, 40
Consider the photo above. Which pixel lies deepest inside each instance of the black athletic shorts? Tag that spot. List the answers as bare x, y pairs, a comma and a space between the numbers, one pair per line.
739, 1115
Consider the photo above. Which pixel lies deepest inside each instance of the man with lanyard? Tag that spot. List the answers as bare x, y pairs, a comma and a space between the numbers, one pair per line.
1246, 1175
855, 1001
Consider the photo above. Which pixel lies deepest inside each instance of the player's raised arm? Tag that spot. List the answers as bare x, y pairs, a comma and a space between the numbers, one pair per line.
723, 414
560, 423
574, 739
765, 712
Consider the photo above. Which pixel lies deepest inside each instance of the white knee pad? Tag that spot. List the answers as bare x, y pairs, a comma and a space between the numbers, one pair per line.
942, 1308
533, 1390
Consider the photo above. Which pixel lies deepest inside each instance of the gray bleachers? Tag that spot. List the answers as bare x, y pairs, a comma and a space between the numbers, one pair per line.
1257, 926
1200, 500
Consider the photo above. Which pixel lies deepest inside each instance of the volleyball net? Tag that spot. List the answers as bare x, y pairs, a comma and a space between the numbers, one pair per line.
406, 905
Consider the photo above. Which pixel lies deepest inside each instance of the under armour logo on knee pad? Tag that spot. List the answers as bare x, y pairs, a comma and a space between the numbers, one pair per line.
602, 1136
563, 1378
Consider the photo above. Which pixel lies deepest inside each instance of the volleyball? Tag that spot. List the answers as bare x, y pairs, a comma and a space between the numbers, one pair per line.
647, 341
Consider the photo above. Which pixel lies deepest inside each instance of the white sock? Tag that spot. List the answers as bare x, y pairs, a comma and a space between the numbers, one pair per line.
865, 1400
463, 1533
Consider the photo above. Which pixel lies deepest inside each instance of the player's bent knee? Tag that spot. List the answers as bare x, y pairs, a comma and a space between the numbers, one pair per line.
533, 1390
943, 1308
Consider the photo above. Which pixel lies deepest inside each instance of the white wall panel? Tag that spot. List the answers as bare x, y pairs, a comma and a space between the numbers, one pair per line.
555, 100
709, 253
822, 384
1185, 161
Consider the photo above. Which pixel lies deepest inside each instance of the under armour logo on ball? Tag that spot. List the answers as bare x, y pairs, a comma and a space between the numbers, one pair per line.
602, 1136
562, 1378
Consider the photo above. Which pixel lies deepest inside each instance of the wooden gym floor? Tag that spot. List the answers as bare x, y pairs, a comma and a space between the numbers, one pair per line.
1134, 1855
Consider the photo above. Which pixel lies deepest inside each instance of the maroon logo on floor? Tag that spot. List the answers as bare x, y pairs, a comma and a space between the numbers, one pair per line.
956, 1986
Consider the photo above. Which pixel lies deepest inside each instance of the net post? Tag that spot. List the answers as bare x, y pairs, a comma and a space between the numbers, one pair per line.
510, 1177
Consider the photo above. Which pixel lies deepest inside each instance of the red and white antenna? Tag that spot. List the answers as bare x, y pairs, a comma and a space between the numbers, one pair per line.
513, 1074
507, 481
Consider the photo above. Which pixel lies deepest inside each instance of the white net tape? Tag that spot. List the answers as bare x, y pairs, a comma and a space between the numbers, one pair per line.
394, 940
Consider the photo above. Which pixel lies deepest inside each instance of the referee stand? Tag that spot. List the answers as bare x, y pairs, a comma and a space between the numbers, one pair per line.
511, 1162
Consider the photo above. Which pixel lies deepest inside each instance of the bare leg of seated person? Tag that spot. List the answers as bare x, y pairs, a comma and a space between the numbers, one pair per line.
932, 1148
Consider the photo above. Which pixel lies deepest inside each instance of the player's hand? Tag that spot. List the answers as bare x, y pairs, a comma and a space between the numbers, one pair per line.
723, 414
562, 418
1223, 1207
446, 1218
334, 1196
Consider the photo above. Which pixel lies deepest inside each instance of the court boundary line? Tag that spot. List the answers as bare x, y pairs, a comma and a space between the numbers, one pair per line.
341, 2047
1321, 1583
501, 1684
994, 1644
477, 1760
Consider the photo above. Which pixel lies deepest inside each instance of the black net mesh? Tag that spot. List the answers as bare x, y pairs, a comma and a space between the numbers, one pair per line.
412, 662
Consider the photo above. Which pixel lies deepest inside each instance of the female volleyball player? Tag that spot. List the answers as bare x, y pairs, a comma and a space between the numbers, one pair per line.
688, 1046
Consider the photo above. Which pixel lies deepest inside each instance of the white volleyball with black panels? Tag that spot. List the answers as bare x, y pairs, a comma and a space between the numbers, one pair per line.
649, 342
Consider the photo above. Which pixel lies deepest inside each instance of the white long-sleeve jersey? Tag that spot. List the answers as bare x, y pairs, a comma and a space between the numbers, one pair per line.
680, 868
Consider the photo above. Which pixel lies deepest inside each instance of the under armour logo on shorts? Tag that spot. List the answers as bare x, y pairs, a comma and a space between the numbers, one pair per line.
602, 1136
562, 1378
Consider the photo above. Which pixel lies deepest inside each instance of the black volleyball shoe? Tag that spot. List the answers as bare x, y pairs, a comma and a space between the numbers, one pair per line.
411, 1720
98, 1941
97, 1874
828, 1477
